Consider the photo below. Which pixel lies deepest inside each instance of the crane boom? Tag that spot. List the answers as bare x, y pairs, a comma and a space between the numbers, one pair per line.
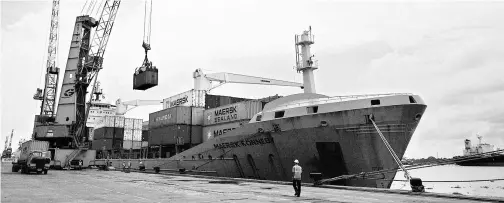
92, 65
6, 142
122, 107
48, 94
203, 81
10, 141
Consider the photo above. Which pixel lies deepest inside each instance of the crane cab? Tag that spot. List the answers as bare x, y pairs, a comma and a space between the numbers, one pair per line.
145, 77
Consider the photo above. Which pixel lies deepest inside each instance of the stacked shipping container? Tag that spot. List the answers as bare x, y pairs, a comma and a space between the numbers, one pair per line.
116, 132
180, 121
223, 119
133, 134
195, 98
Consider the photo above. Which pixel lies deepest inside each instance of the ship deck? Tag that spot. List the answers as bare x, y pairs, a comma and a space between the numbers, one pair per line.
114, 186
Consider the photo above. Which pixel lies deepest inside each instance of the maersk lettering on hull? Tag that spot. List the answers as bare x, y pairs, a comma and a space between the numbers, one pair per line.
346, 144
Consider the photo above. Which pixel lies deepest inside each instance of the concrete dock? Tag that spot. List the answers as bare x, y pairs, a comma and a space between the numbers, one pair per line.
92, 185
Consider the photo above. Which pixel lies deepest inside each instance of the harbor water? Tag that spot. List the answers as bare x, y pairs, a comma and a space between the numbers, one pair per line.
457, 173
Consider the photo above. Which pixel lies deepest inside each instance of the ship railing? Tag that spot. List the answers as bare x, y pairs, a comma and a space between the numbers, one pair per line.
339, 99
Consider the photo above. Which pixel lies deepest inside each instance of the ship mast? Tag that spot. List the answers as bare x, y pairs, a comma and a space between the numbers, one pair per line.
304, 60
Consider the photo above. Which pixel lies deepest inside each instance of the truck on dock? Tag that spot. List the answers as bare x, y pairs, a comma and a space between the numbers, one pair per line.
34, 157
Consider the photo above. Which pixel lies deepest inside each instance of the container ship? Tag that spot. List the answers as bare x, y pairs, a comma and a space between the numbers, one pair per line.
260, 138
480, 155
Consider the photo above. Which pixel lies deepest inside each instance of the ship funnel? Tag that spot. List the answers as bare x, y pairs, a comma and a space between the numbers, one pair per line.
467, 144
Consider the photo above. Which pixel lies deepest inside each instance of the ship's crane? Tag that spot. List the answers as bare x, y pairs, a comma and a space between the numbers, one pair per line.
123, 107
204, 81
146, 76
48, 94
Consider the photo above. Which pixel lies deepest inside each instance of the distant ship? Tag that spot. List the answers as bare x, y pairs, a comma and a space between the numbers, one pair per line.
480, 155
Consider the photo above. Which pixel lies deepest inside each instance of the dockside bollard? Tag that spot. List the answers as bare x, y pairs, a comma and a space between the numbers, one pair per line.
416, 185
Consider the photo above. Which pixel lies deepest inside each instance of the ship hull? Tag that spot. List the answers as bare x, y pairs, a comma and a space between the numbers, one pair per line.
496, 160
334, 144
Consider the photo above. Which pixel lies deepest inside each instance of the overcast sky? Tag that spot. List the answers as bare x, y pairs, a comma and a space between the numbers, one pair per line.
450, 53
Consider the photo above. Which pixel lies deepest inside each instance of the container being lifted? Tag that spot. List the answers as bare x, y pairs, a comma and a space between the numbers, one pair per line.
146, 76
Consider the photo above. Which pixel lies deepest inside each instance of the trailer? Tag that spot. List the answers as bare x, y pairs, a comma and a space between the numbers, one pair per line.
34, 157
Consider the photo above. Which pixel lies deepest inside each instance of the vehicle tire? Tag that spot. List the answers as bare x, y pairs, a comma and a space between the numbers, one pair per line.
45, 172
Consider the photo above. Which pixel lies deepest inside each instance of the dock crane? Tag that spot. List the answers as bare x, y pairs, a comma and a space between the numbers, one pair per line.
146, 76
85, 60
48, 94
7, 153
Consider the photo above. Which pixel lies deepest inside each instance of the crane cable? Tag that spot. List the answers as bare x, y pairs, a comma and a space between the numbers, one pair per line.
147, 29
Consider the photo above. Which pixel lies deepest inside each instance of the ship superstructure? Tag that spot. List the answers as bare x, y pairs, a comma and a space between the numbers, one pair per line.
98, 108
478, 149
483, 154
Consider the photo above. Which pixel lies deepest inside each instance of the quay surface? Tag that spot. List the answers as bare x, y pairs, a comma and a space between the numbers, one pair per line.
92, 185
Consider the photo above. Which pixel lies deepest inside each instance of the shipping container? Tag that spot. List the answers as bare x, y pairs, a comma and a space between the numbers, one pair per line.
212, 131
132, 123
137, 135
128, 134
108, 121
30, 146
168, 134
145, 79
108, 133
130, 144
232, 112
145, 135
214, 101
192, 97
176, 115
119, 122
145, 125
106, 144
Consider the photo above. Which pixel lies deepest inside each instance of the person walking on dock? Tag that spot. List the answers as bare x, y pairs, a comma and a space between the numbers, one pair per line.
296, 178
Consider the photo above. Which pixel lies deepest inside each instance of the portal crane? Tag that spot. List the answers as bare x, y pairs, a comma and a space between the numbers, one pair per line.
48, 94
90, 65
10, 140
204, 81
122, 107
7, 153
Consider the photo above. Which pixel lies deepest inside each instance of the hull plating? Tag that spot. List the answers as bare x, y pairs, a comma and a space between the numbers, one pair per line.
334, 144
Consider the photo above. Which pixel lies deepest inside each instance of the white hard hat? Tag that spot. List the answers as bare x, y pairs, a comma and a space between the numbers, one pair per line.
296, 161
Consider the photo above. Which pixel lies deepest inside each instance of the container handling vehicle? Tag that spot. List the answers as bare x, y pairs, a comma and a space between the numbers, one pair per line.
33, 157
